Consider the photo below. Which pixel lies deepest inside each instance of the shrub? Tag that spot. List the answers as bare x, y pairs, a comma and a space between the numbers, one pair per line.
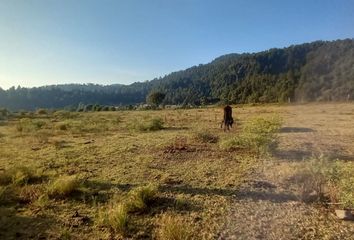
173, 227
139, 198
206, 137
63, 186
258, 135
116, 218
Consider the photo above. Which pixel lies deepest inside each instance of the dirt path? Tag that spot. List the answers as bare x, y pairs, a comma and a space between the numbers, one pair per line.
267, 207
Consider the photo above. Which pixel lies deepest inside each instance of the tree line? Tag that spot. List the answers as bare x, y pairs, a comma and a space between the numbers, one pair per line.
317, 71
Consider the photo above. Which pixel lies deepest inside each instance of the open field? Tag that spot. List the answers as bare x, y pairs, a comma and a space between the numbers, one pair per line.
149, 174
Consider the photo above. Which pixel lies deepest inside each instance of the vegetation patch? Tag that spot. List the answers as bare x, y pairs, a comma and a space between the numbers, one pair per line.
140, 198
30, 125
116, 218
206, 137
153, 124
19, 175
173, 227
64, 186
258, 135
319, 179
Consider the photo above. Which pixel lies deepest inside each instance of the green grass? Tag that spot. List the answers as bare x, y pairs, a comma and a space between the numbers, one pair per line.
258, 135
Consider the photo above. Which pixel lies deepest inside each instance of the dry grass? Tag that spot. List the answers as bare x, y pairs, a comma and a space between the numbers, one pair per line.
174, 227
19, 175
64, 186
197, 180
116, 218
140, 198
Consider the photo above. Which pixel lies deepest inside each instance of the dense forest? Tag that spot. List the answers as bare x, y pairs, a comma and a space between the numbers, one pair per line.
317, 71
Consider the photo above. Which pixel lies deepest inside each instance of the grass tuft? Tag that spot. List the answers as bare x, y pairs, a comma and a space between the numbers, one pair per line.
153, 124
206, 137
139, 198
18, 175
173, 227
116, 218
63, 187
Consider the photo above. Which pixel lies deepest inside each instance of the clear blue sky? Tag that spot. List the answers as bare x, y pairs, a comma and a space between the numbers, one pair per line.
79, 41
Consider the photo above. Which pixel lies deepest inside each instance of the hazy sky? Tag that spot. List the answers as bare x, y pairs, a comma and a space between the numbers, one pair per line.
79, 41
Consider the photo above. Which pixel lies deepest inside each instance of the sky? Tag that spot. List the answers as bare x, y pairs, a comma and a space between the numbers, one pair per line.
44, 42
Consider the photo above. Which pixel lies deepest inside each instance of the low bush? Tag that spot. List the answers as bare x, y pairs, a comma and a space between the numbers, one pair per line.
63, 186
173, 227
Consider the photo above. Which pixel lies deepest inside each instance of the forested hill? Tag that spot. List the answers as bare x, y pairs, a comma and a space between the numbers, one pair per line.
317, 71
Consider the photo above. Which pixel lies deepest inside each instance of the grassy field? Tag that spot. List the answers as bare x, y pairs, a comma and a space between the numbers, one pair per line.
169, 174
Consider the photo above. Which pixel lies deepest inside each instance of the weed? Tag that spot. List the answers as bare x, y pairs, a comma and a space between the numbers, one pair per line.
173, 227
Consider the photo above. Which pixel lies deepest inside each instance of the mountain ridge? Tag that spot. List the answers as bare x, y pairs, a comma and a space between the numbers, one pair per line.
316, 71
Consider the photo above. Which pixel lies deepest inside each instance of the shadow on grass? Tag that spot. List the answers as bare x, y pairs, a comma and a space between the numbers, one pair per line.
292, 155
175, 128
295, 130
238, 194
15, 226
